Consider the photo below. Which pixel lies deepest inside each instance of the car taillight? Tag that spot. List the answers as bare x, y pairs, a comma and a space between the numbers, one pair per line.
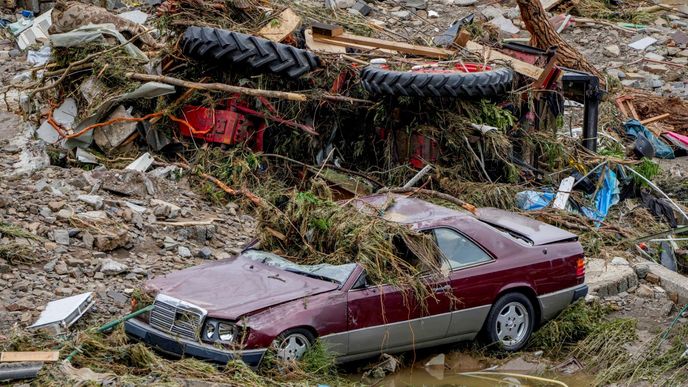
580, 267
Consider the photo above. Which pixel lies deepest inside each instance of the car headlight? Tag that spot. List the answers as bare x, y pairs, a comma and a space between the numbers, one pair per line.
221, 331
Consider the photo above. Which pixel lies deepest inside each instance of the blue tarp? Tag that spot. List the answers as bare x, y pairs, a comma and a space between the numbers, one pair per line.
634, 129
533, 200
607, 196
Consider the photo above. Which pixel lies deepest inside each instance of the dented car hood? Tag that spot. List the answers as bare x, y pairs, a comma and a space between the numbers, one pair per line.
232, 288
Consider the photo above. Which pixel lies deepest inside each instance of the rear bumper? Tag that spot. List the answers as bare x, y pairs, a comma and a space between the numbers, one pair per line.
179, 347
553, 303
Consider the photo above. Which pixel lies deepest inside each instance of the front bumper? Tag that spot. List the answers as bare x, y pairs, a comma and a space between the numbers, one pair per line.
175, 346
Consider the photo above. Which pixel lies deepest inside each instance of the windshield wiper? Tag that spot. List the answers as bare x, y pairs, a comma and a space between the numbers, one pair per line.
312, 275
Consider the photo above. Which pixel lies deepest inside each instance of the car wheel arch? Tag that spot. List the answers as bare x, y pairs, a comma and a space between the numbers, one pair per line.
528, 292
308, 328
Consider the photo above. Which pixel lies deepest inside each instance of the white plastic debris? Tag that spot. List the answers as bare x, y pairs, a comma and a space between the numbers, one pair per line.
643, 43
142, 163
59, 315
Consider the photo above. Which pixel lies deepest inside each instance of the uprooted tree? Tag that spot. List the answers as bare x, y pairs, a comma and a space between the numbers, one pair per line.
543, 35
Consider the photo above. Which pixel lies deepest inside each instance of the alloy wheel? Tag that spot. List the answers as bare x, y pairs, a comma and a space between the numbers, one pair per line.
512, 324
293, 347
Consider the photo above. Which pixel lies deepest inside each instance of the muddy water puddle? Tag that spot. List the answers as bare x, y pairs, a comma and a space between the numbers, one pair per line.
464, 369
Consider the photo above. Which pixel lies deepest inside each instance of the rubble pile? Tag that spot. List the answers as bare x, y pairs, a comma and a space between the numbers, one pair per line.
158, 136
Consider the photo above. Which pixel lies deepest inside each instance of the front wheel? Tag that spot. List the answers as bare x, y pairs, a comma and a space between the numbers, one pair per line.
291, 345
510, 322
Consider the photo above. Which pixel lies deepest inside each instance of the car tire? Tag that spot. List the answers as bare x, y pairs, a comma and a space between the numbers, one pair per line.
510, 322
257, 54
291, 345
377, 80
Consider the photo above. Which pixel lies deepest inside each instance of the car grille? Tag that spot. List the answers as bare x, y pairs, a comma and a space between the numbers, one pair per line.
177, 317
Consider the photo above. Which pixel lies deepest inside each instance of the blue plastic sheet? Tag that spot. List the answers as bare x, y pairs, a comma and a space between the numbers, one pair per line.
606, 197
533, 200
634, 129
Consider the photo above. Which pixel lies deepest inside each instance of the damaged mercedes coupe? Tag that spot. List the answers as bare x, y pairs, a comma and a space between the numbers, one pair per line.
505, 274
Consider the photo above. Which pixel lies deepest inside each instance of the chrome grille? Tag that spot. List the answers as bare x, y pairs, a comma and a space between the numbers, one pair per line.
177, 317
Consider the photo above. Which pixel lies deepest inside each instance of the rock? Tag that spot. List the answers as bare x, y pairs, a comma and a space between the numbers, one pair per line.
464, 3
616, 73
641, 271
683, 53
94, 201
619, 261
362, 7
653, 56
183, 251
50, 266
169, 243
341, 4
61, 237
88, 239
433, 14
56, 205
644, 291
164, 210
109, 266
205, 253
64, 292
652, 278
94, 216
65, 213
14, 53
401, 14
417, 4
631, 83
504, 25
613, 50
111, 241
590, 298
491, 12
61, 268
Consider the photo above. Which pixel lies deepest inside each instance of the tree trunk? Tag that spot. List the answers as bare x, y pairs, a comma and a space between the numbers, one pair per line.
543, 35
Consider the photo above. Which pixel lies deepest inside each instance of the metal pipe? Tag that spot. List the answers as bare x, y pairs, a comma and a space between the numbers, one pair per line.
590, 114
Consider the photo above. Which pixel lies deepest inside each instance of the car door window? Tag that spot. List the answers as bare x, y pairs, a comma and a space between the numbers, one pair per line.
459, 250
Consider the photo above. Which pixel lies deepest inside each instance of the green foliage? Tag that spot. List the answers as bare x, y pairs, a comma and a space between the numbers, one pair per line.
493, 115
648, 168
318, 361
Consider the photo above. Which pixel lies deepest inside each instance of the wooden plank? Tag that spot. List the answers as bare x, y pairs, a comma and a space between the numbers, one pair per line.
332, 42
462, 38
519, 66
656, 118
363, 41
326, 29
279, 28
549, 4
29, 356
322, 46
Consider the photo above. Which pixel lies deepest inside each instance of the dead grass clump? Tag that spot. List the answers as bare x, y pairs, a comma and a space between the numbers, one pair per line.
309, 230
575, 323
16, 231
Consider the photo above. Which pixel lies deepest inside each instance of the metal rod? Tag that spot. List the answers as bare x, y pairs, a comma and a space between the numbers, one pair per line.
418, 176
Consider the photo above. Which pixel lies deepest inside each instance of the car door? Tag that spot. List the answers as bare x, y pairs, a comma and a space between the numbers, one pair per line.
471, 280
383, 318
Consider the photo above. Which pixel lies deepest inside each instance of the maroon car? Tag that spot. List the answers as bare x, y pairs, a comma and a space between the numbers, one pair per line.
508, 272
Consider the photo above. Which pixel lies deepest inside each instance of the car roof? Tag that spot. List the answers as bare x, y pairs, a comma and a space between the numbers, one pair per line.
407, 210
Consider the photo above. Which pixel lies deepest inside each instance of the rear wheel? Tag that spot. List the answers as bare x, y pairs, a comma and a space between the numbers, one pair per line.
510, 322
291, 345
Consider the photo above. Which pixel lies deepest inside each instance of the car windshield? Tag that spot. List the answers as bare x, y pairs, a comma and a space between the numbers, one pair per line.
334, 273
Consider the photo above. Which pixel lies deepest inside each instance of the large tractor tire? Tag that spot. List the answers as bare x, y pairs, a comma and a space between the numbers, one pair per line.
258, 54
482, 84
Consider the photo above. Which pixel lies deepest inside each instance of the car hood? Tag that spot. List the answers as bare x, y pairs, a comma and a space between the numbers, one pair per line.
232, 288
538, 232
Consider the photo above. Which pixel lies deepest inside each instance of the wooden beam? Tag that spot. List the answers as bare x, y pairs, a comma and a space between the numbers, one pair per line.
29, 356
326, 29
549, 4
462, 38
279, 28
322, 46
331, 42
362, 41
519, 66
656, 118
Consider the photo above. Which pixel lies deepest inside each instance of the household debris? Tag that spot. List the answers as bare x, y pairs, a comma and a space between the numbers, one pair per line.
59, 315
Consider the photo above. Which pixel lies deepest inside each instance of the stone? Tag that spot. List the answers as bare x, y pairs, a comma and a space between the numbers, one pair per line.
401, 14
61, 237
417, 4
56, 205
109, 266
683, 53
644, 291
65, 213
655, 68
164, 210
464, 3
491, 12
64, 292
94, 216
111, 136
50, 266
616, 73
88, 239
183, 252
504, 25
631, 83
643, 43
61, 268
613, 50
205, 253
94, 201
619, 261
341, 4
652, 278
642, 270
361, 7
111, 241
653, 56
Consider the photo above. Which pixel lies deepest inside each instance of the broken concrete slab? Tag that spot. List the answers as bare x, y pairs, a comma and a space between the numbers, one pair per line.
671, 281
64, 115
607, 279
142, 163
643, 43
112, 136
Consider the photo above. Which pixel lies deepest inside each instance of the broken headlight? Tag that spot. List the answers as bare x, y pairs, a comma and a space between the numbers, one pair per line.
221, 331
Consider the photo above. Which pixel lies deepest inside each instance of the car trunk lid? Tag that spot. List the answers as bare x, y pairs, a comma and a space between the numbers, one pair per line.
232, 288
537, 232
